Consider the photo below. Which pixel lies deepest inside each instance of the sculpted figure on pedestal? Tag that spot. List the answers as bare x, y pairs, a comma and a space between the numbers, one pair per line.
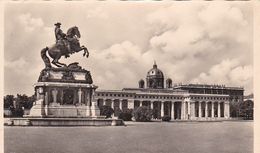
65, 45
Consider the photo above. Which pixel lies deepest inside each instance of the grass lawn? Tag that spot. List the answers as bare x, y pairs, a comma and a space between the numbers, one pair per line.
153, 137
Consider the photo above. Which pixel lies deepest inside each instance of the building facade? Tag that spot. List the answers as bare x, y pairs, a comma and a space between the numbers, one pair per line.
180, 102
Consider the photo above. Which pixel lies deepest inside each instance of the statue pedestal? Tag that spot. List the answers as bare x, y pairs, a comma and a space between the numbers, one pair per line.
64, 92
37, 110
95, 112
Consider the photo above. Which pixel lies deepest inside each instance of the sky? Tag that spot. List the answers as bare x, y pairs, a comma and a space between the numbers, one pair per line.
199, 42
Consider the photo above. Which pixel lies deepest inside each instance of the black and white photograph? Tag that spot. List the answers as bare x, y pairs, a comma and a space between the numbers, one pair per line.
128, 76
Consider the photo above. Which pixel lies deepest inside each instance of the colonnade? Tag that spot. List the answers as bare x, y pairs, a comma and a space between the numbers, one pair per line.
78, 96
178, 110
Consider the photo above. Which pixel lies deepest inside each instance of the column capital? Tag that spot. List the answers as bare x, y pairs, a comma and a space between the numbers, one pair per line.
187, 98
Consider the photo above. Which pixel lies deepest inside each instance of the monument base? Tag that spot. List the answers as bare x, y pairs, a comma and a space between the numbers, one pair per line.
65, 92
37, 110
55, 110
89, 121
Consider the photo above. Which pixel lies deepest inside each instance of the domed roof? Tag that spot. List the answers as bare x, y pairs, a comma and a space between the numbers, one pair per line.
155, 72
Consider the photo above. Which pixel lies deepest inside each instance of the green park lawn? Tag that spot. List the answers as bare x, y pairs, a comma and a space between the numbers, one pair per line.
152, 137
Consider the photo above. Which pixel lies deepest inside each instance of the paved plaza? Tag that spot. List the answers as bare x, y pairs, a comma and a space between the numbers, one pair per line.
152, 137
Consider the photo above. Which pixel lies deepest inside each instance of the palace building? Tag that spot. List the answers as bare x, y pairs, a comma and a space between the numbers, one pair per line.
180, 101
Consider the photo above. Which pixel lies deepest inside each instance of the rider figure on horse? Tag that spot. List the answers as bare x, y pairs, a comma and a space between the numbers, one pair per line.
65, 44
61, 39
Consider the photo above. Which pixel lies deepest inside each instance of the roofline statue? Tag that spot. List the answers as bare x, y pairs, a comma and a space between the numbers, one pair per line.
65, 45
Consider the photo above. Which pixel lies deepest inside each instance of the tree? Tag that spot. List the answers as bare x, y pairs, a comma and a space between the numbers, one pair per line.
25, 101
143, 114
8, 101
247, 110
234, 108
106, 111
18, 103
126, 115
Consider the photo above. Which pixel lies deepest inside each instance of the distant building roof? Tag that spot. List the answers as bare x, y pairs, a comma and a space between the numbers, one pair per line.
206, 86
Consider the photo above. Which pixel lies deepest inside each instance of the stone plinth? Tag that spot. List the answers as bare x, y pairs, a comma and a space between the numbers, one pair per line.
88, 121
64, 92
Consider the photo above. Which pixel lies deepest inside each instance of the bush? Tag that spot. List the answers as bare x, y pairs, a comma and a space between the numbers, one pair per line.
143, 114
17, 112
117, 111
166, 118
126, 115
106, 111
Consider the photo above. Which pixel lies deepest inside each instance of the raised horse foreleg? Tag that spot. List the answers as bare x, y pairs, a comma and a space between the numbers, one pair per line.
85, 51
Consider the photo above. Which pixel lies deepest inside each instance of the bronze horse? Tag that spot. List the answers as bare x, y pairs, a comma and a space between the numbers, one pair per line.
58, 50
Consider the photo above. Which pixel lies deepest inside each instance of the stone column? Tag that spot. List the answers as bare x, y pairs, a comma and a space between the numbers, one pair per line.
212, 110
183, 110
37, 94
141, 103
130, 103
151, 104
94, 110
172, 111
54, 95
38, 109
227, 109
162, 109
104, 102
112, 104
46, 100
206, 110
188, 103
192, 110
199, 109
120, 104
80, 96
218, 109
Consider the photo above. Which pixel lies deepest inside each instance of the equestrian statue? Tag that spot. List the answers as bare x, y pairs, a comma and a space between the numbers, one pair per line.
65, 45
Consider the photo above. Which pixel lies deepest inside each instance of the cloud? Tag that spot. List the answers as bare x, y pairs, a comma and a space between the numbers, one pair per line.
30, 24
189, 42
228, 72
202, 44
117, 66
17, 64
97, 13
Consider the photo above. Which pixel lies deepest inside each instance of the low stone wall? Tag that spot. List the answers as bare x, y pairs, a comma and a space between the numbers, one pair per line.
64, 122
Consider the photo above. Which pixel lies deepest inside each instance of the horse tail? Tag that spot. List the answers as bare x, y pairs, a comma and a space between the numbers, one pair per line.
45, 57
